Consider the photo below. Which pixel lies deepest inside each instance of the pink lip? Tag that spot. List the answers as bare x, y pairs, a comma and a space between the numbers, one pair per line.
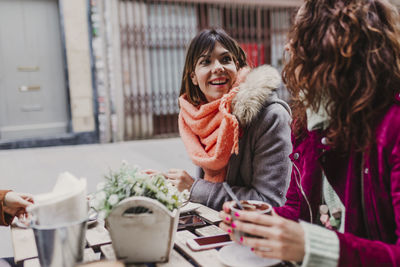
219, 86
218, 79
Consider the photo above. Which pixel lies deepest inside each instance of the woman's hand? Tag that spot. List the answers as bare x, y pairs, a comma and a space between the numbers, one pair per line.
225, 215
151, 172
15, 203
180, 179
273, 235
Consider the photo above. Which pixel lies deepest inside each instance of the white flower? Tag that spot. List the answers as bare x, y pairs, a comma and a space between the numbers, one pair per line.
100, 186
113, 199
142, 176
162, 197
185, 195
95, 204
101, 196
169, 185
130, 181
139, 191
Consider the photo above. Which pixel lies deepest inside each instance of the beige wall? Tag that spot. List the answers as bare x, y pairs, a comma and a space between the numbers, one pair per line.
78, 63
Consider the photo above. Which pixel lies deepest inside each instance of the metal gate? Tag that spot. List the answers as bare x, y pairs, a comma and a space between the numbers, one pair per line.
154, 36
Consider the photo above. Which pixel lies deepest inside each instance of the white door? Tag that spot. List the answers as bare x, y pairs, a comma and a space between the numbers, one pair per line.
33, 94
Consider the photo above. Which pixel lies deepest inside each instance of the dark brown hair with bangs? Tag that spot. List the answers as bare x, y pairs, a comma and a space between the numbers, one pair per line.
346, 54
202, 43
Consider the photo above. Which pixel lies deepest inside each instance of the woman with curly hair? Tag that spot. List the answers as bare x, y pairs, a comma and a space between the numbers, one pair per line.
344, 75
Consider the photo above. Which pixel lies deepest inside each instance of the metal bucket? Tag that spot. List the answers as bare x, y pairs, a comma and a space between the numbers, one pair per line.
61, 245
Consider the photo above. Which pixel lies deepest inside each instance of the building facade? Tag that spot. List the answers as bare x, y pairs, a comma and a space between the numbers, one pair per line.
139, 47
47, 94
87, 71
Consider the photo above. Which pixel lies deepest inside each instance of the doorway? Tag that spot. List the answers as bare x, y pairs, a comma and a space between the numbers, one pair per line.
33, 93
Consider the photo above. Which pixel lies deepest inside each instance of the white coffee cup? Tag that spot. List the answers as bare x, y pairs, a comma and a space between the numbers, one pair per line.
251, 206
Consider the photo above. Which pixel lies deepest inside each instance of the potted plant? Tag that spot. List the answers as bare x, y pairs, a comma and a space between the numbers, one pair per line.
141, 213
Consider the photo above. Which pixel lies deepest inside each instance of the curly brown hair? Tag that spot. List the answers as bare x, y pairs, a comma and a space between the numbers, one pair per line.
203, 42
345, 54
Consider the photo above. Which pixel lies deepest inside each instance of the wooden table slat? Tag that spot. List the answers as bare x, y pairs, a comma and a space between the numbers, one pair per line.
102, 263
90, 255
190, 206
32, 263
212, 216
24, 244
108, 252
203, 258
175, 260
97, 235
209, 230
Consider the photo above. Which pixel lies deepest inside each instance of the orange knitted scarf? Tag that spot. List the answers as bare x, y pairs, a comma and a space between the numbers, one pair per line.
210, 132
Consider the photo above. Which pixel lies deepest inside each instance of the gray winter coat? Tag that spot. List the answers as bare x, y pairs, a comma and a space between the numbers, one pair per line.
261, 170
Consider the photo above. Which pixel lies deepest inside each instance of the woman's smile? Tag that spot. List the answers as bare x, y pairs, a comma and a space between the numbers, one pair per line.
215, 72
219, 81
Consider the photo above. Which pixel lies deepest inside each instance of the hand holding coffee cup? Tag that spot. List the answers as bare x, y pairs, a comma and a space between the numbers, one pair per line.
250, 206
269, 236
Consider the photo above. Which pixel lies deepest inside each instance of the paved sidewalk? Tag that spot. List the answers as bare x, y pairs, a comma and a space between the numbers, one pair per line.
35, 170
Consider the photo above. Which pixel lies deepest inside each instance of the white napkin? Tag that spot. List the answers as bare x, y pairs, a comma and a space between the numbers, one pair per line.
65, 204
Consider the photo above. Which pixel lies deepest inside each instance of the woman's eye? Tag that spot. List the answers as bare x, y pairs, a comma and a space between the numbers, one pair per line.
226, 59
205, 62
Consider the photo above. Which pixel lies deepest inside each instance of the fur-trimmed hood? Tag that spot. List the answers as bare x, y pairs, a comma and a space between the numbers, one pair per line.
260, 85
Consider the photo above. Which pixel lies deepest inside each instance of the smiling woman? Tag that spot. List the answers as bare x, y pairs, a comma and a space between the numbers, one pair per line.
215, 72
233, 125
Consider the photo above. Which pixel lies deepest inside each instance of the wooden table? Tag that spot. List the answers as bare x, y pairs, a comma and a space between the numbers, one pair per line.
99, 251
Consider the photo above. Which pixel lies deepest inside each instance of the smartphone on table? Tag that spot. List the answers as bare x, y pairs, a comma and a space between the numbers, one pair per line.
208, 242
188, 221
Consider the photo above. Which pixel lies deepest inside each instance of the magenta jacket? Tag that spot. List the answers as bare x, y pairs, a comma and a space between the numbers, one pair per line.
371, 195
